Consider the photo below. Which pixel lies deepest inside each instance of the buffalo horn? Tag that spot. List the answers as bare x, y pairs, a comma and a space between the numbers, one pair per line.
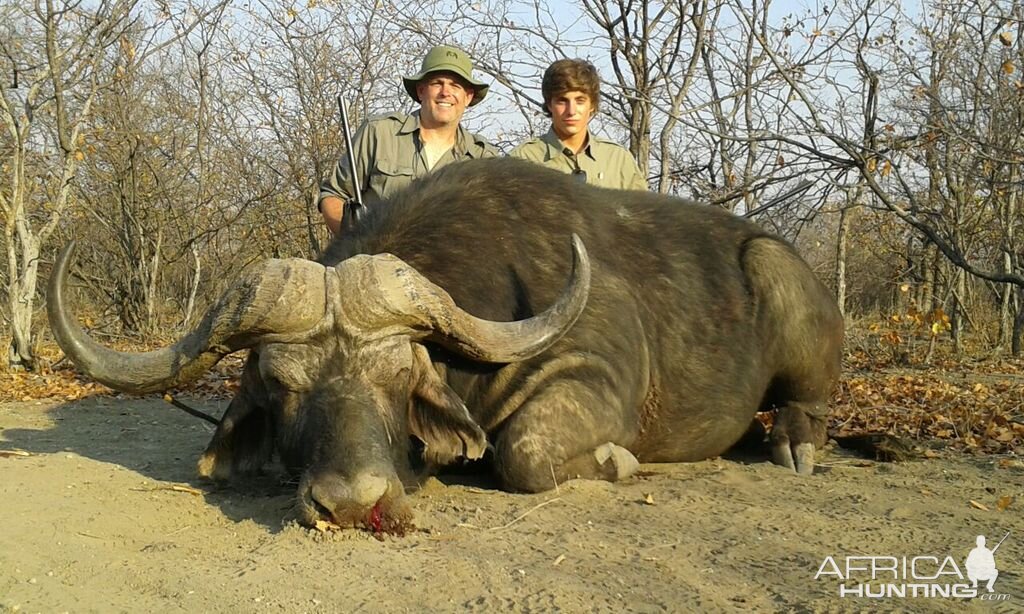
393, 293
278, 299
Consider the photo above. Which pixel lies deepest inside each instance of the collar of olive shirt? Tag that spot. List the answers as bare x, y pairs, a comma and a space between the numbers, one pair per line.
462, 138
555, 146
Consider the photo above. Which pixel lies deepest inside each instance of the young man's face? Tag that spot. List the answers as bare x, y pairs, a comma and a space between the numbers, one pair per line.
444, 97
570, 113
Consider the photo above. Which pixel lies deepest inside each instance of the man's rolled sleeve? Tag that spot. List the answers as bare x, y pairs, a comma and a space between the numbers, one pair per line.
339, 182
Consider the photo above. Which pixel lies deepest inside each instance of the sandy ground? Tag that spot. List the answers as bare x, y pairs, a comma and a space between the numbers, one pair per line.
104, 514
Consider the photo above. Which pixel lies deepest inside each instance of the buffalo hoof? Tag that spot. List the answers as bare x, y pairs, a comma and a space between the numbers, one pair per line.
623, 461
799, 458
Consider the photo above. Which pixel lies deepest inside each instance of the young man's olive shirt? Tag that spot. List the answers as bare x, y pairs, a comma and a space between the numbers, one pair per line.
607, 164
389, 155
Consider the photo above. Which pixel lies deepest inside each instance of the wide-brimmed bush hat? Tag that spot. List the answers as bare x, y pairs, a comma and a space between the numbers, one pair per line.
448, 59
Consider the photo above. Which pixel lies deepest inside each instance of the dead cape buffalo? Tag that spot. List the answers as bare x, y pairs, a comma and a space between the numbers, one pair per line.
463, 315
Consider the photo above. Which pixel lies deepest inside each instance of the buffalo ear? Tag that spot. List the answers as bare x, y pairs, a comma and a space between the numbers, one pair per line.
243, 441
439, 417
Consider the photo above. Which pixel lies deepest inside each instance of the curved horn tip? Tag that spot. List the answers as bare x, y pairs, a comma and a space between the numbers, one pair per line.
58, 274
65, 256
579, 250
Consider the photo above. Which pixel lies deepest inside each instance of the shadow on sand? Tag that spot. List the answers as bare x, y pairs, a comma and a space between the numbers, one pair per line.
150, 437
162, 444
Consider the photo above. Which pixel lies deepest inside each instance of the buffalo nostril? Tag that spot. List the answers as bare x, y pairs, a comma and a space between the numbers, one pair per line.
367, 489
337, 496
327, 495
321, 512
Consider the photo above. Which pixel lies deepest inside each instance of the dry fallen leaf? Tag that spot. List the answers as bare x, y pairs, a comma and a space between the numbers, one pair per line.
649, 499
980, 506
325, 525
10, 453
1004, 502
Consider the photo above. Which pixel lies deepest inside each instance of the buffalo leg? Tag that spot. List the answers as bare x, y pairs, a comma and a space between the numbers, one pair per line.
243, 441
803, 341
799, 429
566, 431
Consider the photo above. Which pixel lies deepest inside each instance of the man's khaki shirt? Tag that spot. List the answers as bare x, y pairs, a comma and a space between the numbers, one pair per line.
389, 155
606, 164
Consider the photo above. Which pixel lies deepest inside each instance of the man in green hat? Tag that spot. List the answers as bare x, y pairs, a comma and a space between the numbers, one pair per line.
572, 92
393, 149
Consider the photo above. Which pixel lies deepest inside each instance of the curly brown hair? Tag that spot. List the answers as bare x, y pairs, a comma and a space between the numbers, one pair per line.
571, 76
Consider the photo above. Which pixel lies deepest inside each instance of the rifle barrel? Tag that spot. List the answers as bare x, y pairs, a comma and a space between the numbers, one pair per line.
347, 130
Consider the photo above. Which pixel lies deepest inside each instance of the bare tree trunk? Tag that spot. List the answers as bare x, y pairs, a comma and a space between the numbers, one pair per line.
197, 269
1005, 308
151, 286
1010, 313
845, 220
929, 264
20, 302
313, 223
1018, 308
958, 317
1018, 324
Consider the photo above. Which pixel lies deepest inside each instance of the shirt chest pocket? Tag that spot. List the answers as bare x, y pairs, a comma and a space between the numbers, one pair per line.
389, 177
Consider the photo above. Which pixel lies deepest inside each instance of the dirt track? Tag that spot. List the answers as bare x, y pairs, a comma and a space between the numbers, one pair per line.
102, 515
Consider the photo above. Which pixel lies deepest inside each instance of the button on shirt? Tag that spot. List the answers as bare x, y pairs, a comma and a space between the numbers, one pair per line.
389, 155
607, 164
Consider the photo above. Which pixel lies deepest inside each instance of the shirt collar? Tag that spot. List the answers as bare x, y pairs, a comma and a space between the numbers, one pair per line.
412, 124
556, 147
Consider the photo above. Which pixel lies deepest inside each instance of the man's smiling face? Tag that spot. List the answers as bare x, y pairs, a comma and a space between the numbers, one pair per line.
444, 97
